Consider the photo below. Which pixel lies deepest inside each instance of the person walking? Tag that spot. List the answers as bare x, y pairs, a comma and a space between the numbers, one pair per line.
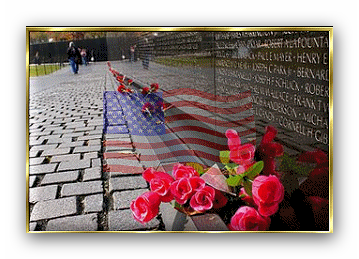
74, 57
132, 53
84, 56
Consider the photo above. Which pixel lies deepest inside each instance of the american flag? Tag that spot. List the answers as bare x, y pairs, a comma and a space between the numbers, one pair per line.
191, 129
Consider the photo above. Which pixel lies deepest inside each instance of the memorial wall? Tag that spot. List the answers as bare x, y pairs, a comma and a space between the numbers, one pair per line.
288, 76
244, 80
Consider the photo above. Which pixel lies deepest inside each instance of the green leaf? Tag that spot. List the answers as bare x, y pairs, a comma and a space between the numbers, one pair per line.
290, 182
232, 168
224, 156
254, 170
234, 180
248, 187
196, 166
289, 164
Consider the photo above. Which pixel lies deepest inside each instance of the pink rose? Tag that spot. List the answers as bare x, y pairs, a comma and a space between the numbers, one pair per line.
160, 183
267, 192
234, 142
268, 150
180, 171
248, 219
246, 198
202, 200
145, 207
183, 188
243, 155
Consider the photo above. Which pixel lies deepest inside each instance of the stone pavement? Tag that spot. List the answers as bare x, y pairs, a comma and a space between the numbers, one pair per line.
68, 188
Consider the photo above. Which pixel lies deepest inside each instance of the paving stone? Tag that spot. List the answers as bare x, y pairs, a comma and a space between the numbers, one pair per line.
36, 160
72, 144
33, 153
75, 223
68, 157
93, 203
35, 142
32, 180
118, 148
42, 193
60, 177
91, 155
96, 162
43, 147
94, 142
126, 183
56, 151
124, 161
86, 128
93, 173
32, 226
74, 165
175, 220
96, 132
123, 220
87, 149
121, 170
123, 199
88, 137
54, 208
123, 137
81, 188
73, 135
42, 169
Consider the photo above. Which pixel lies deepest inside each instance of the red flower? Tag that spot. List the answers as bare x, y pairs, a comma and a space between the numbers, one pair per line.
248, 219
181, 190
145, 207
317, 183
147, 107
154, 87
184, 188
197, 183
267, 193
180, 171
160, 183
145, 90
130, 81
247, 199
268, 150
202, 200
121, 88
119, 78
234, 142
219, 200
241, 154
109, 64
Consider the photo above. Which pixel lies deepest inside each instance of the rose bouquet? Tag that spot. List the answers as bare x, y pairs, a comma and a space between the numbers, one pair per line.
121, 79
188, 192
276, 191
257, 189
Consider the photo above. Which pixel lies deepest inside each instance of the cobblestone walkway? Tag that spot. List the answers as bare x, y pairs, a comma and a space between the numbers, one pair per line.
68, 190
80, 177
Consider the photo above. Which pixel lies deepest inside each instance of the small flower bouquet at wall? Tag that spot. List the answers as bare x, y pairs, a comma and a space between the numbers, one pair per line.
277, 192
257, 189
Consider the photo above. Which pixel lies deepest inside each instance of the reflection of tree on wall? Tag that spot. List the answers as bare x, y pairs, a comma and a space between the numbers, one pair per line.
56, 36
